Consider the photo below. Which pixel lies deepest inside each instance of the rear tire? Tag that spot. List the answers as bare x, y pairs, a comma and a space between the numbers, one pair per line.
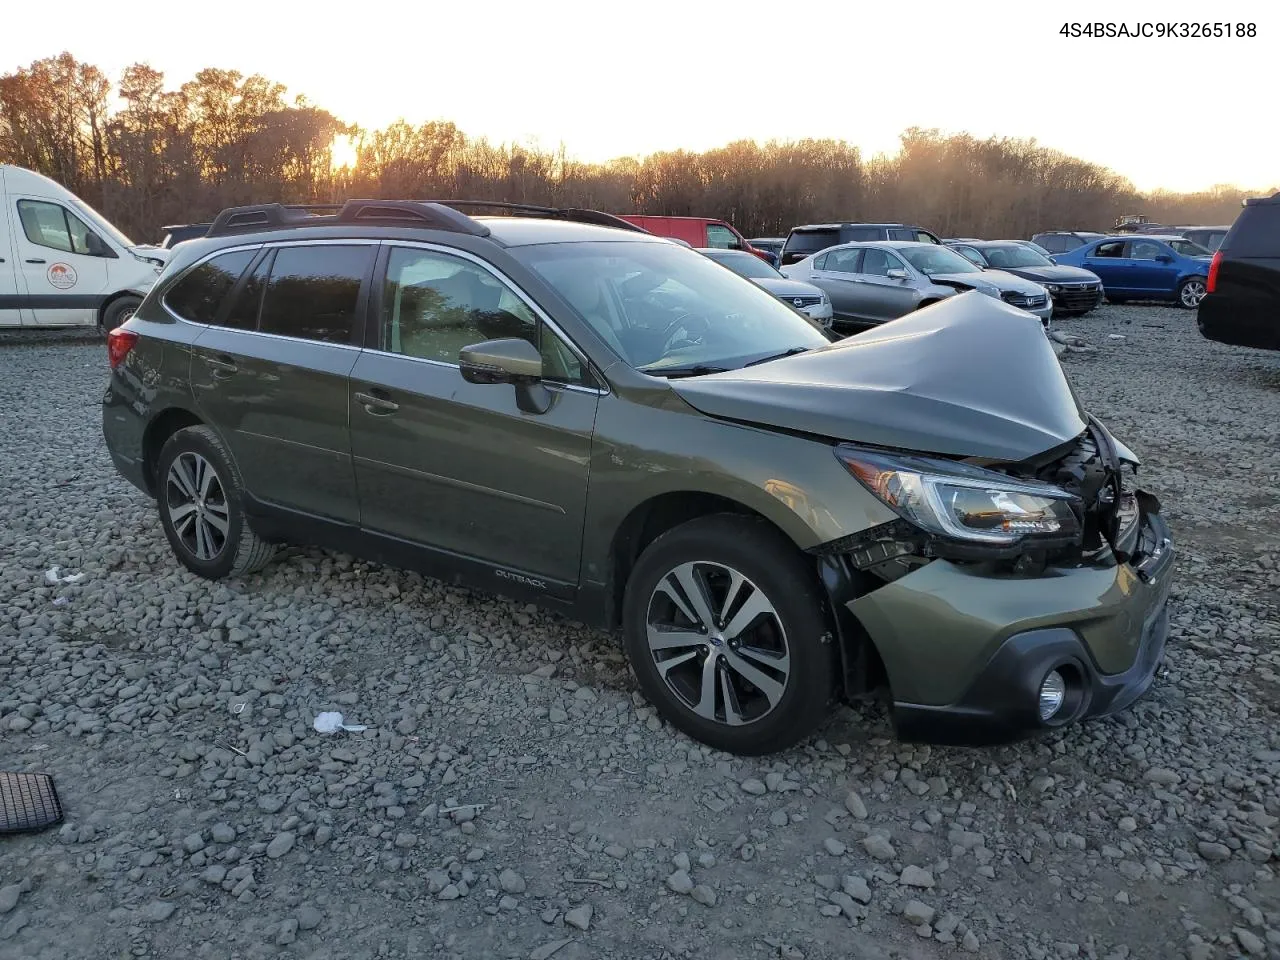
760, 677
118, 312
201, 500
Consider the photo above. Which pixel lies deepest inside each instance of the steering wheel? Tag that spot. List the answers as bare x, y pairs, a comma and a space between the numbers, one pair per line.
684, 322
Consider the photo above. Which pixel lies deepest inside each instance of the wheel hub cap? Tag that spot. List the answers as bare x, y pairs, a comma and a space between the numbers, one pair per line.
197, 506
718, 643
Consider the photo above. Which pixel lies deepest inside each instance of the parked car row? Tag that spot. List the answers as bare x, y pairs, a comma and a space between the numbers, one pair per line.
872, 283
1064, 241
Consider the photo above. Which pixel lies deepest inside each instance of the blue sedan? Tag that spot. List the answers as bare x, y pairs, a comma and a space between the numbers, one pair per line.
1145, 268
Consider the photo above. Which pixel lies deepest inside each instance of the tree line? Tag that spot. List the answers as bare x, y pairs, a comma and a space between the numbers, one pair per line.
147, 155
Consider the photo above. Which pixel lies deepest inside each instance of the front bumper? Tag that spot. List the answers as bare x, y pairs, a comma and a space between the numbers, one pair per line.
1076, 298
966, 654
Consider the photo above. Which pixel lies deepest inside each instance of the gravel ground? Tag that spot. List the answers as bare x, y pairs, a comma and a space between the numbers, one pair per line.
513, 795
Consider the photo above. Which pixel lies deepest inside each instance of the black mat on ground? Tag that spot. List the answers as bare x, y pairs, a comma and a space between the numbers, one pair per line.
28, 801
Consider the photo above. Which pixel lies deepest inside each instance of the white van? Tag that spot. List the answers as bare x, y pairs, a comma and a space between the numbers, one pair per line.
61, 263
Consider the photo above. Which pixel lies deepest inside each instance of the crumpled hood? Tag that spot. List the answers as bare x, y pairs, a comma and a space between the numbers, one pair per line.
785, 289
1054, 273
969, 376
1004, 282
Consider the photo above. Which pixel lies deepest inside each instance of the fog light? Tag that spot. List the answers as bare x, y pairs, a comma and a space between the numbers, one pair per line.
1053, 691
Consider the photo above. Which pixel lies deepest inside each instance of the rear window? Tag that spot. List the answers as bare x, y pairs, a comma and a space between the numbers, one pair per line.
1256, 232
811, 241
199, 294
314, 291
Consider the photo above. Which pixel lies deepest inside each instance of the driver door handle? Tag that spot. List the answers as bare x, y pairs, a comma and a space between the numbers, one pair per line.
375, 405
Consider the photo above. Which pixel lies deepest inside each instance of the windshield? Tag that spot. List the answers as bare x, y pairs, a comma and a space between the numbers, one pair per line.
931, 260
1014, 255
661, 307
102, 223
1189, 249
747, 265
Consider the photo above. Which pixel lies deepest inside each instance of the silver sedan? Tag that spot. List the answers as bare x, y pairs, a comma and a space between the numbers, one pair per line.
871, 283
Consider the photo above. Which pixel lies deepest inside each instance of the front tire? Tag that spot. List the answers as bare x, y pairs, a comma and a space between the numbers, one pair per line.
201, 500
118, 312
725, 628
1190, 292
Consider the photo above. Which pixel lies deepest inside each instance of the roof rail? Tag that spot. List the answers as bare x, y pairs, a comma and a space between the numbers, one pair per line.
272, 216
576, 214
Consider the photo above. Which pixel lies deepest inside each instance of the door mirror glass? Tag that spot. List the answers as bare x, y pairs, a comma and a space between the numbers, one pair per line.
500, 361
896, 273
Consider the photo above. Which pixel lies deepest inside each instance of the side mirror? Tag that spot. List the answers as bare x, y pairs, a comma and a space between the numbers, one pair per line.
500, 361
1164, 258
1052, 259
898, 274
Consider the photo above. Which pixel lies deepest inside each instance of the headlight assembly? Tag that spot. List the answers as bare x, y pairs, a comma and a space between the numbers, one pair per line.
962, 502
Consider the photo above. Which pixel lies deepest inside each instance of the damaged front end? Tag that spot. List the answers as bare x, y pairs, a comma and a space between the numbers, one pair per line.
1076, 504
1074, 507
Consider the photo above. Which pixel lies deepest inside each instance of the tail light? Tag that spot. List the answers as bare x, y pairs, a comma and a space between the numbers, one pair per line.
1212, 285
119, 343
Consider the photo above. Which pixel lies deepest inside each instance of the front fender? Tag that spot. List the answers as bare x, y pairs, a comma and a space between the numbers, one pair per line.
642, 452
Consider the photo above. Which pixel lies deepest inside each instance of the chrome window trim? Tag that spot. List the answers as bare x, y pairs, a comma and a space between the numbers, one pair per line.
515, 288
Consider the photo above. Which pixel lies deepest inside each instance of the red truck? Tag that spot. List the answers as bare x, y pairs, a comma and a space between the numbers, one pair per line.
697, 232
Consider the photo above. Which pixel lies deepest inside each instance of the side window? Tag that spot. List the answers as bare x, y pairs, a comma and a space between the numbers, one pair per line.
314, 291
244, 312
434, 304
722, 238
199, 294
819, 262
1112, 248
843, 261
1145, 250
878, 263
861, 234
1057, 243
923, 237
45, 224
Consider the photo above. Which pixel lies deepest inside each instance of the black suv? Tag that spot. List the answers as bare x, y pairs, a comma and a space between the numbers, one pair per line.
1242, 302
802, 241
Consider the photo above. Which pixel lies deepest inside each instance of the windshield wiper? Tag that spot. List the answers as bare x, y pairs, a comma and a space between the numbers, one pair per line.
778, 356
695, 370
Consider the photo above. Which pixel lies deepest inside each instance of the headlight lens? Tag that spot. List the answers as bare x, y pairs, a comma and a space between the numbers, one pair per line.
1052, 287
957, 500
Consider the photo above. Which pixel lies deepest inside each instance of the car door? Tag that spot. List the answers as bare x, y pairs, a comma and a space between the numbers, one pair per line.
11, 304
885, 297
839, 278
462, 467
271, 374
62, 262
1150, 273
1109, 259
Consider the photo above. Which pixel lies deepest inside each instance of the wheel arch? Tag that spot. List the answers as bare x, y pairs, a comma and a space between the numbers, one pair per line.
114, 299
163, 426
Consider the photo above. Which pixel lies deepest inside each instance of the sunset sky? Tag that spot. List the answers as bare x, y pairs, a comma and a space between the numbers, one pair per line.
616, 78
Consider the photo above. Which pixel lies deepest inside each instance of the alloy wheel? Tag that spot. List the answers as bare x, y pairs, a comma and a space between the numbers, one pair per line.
718, 643
1192, 293
197, 505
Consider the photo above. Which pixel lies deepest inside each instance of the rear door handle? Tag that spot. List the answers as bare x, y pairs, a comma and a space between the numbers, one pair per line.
35, 261
378, 406
223, 366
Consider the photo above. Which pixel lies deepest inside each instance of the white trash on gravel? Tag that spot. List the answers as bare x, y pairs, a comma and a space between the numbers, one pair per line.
331, 722
52, 577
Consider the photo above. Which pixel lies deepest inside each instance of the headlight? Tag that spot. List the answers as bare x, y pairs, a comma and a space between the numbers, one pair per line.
956, 500
1052, 287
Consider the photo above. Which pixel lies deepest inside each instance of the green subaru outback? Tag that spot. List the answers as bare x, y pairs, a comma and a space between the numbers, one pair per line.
554, 405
